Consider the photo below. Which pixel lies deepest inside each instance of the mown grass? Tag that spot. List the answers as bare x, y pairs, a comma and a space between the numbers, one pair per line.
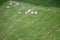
43, 26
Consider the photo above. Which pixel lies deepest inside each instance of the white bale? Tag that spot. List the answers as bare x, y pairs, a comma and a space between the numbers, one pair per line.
26, 12
8, 7
35, 12
11, 3
32, 12
17, 4
19, 12
29, 10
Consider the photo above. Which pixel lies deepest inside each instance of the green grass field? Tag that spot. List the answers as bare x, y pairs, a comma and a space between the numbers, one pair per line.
43, 26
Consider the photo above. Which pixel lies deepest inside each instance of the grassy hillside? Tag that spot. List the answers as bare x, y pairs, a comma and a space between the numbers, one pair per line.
43, 26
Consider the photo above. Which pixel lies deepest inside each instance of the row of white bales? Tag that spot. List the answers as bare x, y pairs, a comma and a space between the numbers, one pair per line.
29, 11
